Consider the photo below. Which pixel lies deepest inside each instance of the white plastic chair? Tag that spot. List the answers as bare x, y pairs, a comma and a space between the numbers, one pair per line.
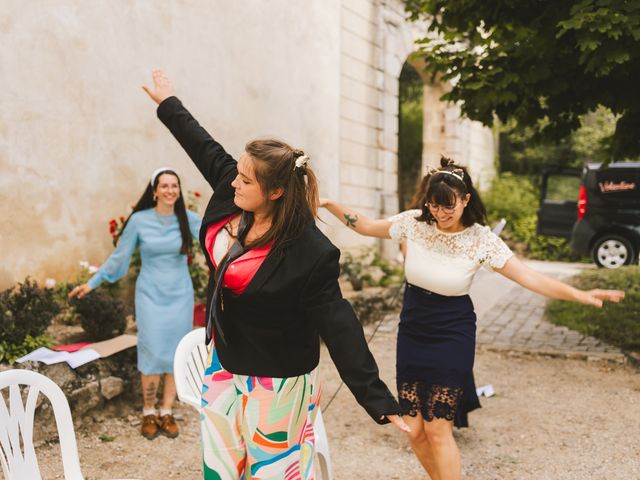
188, 370
498, 227
17, 453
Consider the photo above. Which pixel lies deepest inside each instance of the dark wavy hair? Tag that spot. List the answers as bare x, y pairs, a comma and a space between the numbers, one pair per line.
445, 189
148, 201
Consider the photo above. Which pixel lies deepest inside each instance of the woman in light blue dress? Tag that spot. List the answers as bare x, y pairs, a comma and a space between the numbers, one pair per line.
163, 229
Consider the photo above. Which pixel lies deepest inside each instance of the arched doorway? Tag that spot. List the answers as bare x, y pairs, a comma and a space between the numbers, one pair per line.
410, 133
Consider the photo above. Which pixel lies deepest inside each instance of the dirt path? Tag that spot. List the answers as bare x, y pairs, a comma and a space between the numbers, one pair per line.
551, 419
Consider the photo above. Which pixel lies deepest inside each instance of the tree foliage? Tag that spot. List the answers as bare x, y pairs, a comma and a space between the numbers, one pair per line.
540, 63
520, 153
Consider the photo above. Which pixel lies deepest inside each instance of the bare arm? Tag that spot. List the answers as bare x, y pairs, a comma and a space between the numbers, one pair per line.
537, 282
359, 223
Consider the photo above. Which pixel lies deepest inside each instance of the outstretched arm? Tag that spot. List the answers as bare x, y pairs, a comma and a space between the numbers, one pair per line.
335, 321
537, 282
355, 221
216, 165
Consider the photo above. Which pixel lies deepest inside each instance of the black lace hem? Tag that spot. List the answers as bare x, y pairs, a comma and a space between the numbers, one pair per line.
431, 400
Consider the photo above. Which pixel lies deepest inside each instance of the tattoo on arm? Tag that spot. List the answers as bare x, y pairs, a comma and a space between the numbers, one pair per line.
350, 220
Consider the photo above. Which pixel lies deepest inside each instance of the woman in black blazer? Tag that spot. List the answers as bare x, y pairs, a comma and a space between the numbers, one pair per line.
272, 294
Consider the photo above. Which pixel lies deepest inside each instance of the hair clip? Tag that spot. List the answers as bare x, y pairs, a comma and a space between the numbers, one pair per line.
301, 161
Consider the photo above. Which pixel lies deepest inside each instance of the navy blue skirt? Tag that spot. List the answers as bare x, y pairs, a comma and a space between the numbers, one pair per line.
435, 354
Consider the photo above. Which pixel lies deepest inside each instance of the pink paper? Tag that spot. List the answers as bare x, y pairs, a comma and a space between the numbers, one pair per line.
71, 347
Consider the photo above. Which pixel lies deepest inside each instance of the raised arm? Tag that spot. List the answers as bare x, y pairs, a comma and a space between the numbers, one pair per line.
537, 282
216, 165
355, 221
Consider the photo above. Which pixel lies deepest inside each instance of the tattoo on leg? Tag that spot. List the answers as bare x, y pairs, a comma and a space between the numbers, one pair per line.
150, 394
351, 220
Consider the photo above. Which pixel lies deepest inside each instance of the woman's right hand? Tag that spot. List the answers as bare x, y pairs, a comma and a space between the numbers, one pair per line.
80, 291
162, 87
323, 202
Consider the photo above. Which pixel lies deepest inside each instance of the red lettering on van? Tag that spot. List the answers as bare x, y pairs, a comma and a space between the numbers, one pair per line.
608, 187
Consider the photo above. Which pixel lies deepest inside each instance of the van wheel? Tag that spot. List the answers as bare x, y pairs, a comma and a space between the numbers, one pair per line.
613, 251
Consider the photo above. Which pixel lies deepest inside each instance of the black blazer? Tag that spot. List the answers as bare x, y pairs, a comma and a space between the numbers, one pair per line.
272, 329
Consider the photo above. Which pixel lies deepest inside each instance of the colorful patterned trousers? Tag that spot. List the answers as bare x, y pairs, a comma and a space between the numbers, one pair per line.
257, 427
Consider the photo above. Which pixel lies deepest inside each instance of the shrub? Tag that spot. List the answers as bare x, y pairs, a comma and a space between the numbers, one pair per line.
366, 267
101, 315
615, 323
516, 198
25, 313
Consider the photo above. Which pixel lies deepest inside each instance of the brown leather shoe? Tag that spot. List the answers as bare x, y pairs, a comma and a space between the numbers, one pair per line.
149, 427
168, 426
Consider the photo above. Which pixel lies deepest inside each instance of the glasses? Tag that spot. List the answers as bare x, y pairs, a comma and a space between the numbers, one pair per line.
434, 207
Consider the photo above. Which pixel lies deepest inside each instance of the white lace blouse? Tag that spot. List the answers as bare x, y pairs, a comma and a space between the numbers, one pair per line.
445, 263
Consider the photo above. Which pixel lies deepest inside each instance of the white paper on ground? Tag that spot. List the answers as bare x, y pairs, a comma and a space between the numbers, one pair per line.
81, 357
44, 355
486, 390
74, 359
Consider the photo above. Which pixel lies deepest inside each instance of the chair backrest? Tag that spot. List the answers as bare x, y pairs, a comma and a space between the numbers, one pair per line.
188, 367
17, 453
497, 229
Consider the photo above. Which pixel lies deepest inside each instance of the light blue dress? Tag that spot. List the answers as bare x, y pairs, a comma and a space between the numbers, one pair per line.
164, 291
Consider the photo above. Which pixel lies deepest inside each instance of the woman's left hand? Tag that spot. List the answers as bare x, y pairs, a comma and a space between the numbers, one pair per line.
596, 297
162, 87
399, 423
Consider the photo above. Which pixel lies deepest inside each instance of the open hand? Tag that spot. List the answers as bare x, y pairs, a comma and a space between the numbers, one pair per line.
162, 87
399, 423
597, 297
80, 291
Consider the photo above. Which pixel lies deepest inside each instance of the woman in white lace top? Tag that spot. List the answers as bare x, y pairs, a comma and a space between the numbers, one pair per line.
446, 243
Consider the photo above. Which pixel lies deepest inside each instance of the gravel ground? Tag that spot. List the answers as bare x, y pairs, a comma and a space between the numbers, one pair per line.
550, 419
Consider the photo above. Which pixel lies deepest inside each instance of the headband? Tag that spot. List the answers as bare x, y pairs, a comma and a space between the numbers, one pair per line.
458, 173
158, 172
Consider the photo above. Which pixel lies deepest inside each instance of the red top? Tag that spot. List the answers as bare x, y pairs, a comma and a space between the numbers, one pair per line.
243, 268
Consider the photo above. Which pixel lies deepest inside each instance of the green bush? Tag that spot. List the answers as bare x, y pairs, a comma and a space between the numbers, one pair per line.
101, 315
615, 323
365, 267
516, 198
25, 313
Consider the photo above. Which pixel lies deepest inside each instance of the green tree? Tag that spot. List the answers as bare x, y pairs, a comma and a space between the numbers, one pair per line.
541, 63
520, 152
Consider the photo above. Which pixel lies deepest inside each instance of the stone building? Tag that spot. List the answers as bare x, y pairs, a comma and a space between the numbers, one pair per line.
79, 138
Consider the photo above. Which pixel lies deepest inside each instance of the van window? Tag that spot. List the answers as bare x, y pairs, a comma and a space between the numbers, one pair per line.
563, 188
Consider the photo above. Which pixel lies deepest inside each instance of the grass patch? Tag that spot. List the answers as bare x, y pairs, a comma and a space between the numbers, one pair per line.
617, 324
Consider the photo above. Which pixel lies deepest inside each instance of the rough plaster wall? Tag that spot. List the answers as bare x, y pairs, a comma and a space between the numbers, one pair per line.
78, 137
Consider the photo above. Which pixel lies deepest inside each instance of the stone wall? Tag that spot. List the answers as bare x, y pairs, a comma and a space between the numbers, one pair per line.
102, 388
376, 41
79, 138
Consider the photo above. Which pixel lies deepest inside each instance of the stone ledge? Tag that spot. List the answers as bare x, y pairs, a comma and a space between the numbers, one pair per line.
104, 387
